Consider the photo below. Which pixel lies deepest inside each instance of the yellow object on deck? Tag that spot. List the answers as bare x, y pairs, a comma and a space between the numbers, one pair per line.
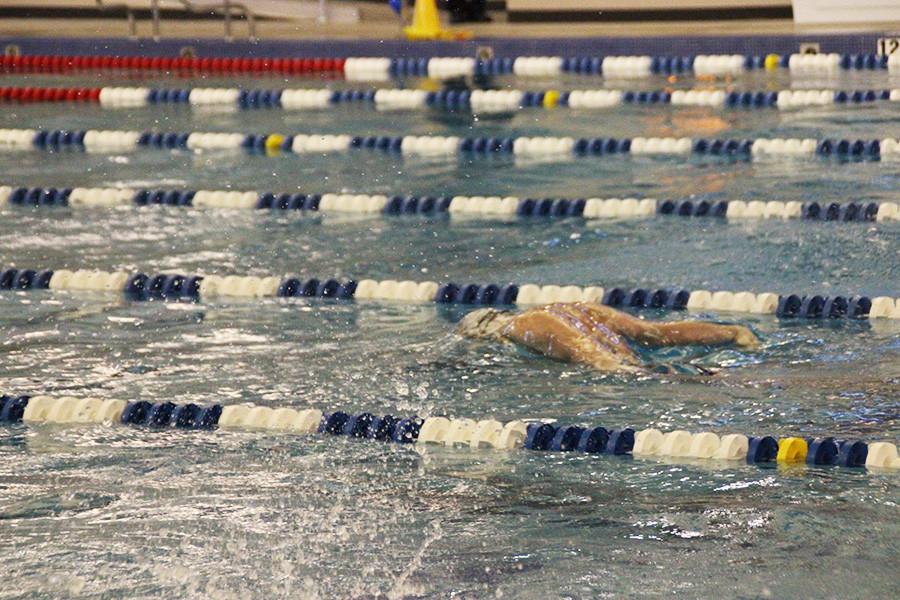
426, 24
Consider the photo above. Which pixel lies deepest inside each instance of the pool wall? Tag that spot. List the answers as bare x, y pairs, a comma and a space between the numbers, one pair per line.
759, 44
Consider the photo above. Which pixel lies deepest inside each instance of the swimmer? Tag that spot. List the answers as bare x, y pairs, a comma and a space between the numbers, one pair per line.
595, 335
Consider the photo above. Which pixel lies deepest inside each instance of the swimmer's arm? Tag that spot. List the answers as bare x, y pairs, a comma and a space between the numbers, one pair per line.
682, 333
696, 332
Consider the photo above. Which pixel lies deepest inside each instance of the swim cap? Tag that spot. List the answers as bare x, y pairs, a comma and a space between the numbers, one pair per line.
484, 323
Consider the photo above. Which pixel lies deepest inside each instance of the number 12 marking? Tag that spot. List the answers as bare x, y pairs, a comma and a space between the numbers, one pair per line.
888, 45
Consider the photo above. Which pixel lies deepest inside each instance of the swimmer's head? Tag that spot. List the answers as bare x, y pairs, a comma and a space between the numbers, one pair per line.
485, 323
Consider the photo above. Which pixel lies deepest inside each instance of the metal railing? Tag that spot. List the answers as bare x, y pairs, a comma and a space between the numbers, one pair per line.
228, 9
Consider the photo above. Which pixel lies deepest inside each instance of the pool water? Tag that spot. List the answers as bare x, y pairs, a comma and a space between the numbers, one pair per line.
107, 512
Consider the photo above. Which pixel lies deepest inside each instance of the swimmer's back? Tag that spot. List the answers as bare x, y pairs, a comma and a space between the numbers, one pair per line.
577, 332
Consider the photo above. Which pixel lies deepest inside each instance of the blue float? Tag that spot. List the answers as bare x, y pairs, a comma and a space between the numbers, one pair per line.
621, 441
636, 298
333, 423
23, 279
835, 308
762, 449
852, 453
538, 436
185, 416
858, 307
508, 294
381, 428
358, 425
208, 417
41, 281
614, 297
135, 413
788, 306
466, 294
488, 294
566, 438
406, 431
822, 451
12, 408
593, 440
656, 298
446, 293
135, 285
811, 307
159, 414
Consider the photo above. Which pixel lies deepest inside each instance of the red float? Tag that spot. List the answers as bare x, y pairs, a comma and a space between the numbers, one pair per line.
170, 64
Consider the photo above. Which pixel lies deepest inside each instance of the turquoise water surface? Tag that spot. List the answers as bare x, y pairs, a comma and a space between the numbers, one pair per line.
110, 511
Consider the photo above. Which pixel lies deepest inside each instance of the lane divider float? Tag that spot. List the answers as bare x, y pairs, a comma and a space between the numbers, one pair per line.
380, 68
74, 64
475, 101
469, 206
446, 147
174, 286
533, 435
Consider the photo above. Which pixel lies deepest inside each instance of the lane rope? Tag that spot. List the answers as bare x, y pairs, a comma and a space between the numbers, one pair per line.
533, 435
486, 207
381, 68
449, 147
74, 64
475, 101
174, 286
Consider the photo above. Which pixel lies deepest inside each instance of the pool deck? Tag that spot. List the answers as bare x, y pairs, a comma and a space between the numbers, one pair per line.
378, 34
379, 23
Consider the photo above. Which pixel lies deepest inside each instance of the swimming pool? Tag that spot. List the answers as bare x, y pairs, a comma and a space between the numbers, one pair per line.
122, 511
